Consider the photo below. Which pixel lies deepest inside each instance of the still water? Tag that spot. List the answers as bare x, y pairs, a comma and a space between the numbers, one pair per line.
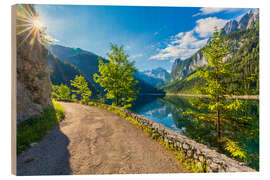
169, 111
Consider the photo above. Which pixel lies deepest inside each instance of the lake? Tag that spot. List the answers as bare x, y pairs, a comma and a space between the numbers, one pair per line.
169, 111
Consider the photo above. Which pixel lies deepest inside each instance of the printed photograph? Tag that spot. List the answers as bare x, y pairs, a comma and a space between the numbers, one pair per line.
135, 89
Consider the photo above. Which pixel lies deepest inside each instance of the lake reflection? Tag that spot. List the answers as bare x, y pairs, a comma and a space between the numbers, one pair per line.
169, 112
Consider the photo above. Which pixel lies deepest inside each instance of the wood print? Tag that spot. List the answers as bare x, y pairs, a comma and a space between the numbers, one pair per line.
134, 89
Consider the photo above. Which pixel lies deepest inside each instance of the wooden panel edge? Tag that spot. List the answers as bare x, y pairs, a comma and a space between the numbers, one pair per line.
13, 91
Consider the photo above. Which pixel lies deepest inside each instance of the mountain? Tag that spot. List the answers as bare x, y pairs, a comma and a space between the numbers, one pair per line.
155, 82
244, 56
65, 63
183, 68
154, 77
246, 22
158, 73
230, 26
62, 72
85, 61
146, 87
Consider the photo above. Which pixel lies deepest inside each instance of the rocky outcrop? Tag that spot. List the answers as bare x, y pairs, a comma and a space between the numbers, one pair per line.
248, 21
182, 69
33, 79
158, 73
244, 20
230, 26
199, 153
253, 19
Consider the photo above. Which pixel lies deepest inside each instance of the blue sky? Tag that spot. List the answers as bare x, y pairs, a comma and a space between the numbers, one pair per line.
152, 36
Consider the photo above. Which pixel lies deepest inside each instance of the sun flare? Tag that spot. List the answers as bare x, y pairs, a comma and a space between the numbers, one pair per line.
37, 23
28, 24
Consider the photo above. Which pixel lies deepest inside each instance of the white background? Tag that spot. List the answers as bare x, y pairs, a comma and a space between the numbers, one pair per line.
5, 87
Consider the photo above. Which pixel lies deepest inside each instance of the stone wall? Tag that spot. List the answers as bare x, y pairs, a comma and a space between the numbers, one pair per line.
201, 154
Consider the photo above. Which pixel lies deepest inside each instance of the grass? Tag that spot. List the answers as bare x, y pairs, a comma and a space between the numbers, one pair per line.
190, 164
34, 129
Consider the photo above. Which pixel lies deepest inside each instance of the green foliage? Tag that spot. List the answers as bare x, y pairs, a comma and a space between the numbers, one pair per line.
74, 98
216, 75
117, 78
82, 89
34, 129
234, 149
245, 61
184, 86
61, 92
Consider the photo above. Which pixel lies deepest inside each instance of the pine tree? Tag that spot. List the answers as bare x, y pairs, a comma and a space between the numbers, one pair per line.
117, 77
216, 75
82, 90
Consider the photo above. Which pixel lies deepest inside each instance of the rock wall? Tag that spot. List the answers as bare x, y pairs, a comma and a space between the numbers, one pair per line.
33, 87
201, 154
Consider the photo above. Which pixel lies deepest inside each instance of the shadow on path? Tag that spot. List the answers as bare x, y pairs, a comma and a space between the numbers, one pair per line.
49, 157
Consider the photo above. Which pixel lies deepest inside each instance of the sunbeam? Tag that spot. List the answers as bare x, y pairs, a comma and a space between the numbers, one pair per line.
28, 23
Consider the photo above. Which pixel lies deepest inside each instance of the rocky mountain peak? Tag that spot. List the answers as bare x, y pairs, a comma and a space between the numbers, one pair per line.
230, 26
244, 20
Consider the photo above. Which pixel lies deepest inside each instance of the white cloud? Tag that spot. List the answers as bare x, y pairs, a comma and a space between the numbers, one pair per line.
155, 33
207, 10
206, 26
182, 46
185, 44
134, 56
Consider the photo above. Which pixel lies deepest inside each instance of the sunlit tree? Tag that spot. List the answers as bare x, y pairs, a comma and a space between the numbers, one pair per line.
117, 77
61, 92
219, 105
81, 90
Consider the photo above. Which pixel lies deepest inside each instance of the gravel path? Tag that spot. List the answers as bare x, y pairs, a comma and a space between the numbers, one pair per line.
94, 141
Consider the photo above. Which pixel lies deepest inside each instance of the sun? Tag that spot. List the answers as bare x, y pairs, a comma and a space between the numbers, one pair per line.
28, 24
37, 23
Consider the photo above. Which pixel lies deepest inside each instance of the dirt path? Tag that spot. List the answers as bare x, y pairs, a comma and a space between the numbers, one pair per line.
94, 141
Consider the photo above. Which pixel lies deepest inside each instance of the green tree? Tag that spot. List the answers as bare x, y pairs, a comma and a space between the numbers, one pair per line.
216, 75
219, 107
117, 77
82, 90
61, 92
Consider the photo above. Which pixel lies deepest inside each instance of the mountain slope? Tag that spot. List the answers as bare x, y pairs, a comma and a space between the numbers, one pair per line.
245, 62
85, 61
67, 62
158, 73
183, 68
62, 72
154, 77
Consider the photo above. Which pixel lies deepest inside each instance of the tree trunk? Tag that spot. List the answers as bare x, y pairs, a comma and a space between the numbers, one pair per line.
218, 127
116, 100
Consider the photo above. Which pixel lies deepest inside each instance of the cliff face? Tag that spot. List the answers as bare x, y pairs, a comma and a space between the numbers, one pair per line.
181, 69
33, 80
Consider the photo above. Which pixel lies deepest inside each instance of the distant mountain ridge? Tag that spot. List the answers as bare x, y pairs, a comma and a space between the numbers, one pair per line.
159, 73
183, 68
66, 62
246, 22
62, 72
85, 61
154, 77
